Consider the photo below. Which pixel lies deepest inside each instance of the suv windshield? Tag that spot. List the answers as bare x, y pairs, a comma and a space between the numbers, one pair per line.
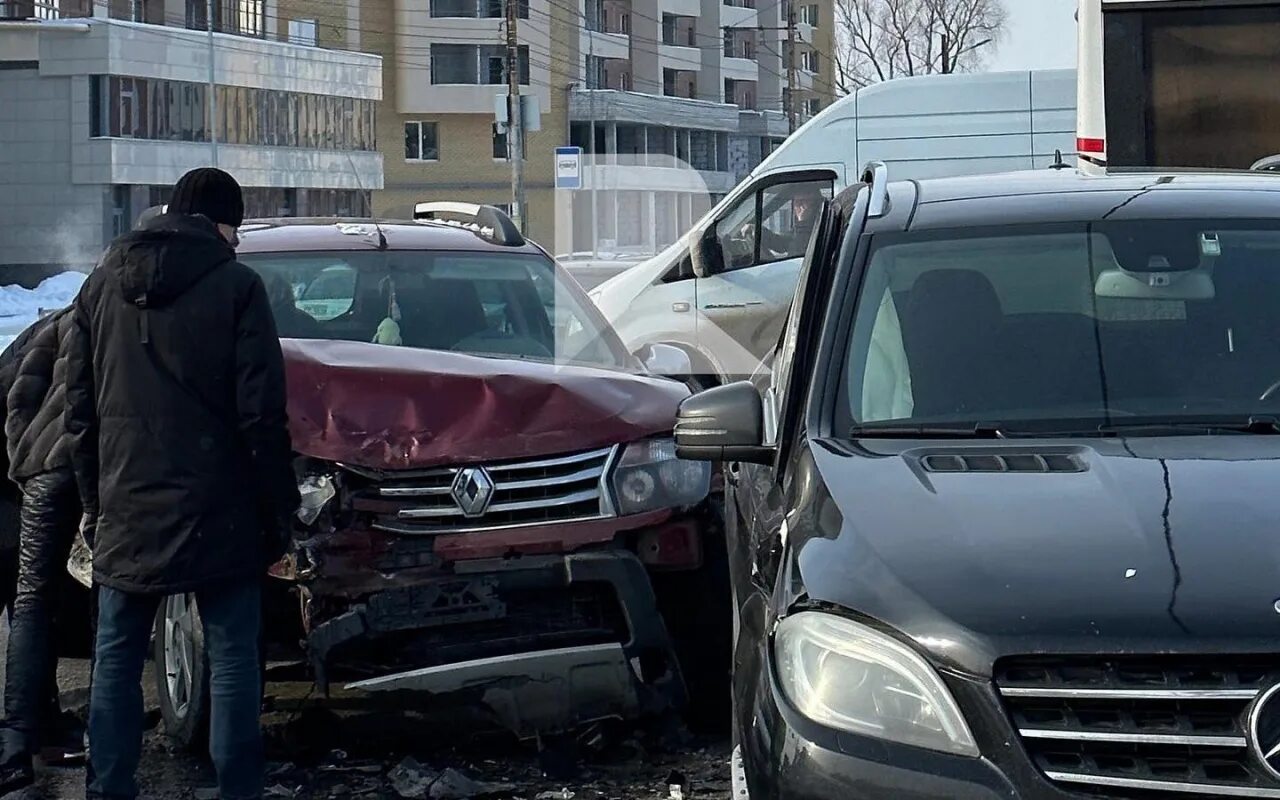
1067, 327
510, 306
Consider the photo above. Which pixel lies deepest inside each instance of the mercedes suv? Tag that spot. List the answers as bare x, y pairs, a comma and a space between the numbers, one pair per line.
1003, 515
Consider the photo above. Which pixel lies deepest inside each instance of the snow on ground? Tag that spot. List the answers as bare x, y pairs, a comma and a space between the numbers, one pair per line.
20, 307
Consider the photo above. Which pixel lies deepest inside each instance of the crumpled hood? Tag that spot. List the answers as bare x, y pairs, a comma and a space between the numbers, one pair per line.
169, 255
384, 407
1160, 544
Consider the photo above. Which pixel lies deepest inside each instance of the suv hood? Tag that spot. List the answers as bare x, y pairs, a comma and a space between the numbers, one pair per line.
1157, 545
391, 408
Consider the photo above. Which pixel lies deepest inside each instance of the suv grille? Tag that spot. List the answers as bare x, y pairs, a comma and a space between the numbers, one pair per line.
507, 494
1141, 726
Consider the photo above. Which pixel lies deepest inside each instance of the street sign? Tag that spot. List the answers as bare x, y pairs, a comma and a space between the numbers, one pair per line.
568, 167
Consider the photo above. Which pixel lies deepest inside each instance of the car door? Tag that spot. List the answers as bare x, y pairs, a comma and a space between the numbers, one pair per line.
783, 383
763, 237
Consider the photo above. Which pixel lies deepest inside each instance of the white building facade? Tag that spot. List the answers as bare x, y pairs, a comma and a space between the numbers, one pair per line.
99, 117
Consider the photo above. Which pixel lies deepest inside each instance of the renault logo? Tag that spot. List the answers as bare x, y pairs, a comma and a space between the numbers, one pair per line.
472, 491
1264, 729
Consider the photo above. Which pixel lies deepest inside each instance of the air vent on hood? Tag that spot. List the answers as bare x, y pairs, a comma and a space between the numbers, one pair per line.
1003, 462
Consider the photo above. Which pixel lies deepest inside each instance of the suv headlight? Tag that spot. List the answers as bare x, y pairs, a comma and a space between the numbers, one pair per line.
850, 677
650, 477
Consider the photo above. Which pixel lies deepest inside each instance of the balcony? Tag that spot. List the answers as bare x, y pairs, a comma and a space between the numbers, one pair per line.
604, 45
739, 17
740, 69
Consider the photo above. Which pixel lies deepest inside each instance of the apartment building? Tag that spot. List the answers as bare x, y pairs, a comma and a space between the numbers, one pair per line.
105, 103
672, 101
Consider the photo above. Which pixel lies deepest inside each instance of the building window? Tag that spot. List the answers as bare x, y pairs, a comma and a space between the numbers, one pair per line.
143, 108
471, 9
624, 81
241, 17
624, 26
809, 15
500, 144
303, 31
812, 106
809, 61
421, 142
472, 65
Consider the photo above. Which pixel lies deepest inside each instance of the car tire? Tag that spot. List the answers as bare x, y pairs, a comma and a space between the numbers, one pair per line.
182, 671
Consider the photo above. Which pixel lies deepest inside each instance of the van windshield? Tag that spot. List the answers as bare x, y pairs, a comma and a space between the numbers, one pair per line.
508, 306
1063, 328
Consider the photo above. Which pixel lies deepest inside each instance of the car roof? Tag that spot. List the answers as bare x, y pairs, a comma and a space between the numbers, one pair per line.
1068, 195
302, 234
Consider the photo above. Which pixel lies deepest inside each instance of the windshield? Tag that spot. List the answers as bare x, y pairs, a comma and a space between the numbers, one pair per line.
511, 306
1064, 327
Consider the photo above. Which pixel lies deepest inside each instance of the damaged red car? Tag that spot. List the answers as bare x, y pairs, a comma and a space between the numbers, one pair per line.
491, 498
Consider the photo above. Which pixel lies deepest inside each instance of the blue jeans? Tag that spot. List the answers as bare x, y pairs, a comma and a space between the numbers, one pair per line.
232, 617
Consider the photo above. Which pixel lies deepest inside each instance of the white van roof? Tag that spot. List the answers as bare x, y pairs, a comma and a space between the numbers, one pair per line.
941, 125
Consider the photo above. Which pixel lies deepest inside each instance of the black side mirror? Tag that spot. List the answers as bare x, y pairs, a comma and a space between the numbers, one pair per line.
706, 253
723, 424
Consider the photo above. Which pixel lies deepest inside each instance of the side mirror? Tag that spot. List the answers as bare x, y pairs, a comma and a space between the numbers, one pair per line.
723, 424
665, 360
706, 253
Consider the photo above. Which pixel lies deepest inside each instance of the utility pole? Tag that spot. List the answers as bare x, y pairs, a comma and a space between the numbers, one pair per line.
791, 66
515, 117
213, 88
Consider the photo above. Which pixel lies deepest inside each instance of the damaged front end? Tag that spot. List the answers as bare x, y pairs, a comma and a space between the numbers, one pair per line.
523, 584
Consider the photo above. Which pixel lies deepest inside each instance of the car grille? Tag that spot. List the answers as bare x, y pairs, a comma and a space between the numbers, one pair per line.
1141, 726
519, 493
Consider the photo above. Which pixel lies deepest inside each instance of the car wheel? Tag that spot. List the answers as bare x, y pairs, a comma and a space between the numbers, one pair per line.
182, 671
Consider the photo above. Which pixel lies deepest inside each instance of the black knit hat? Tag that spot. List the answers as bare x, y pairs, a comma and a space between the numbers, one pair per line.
211, 192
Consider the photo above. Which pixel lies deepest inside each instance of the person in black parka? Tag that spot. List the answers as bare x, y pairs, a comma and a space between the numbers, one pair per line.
180, 444
38, 454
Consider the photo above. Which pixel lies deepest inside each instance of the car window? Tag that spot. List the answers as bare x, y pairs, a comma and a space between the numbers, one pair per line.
773, 224
1045, 326
516, 306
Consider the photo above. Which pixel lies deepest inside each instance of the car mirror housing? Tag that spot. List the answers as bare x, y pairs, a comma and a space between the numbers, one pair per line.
706, 253
665, 360
723, 424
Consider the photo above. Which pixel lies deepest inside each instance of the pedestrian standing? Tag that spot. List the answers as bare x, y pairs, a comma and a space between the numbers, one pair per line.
176, 408
39, 462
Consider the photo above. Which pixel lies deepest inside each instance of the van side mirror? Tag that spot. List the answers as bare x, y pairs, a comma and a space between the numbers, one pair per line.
706, 253
723, 424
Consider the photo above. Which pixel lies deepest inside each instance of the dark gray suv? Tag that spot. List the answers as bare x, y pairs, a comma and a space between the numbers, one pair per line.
1003, 515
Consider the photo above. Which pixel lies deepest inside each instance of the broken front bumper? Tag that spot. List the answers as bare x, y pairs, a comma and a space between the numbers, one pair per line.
534, 675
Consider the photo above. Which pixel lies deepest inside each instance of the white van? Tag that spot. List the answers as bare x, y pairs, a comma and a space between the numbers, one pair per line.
728, 314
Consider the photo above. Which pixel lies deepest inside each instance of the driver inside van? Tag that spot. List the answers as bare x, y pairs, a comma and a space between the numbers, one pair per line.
806, 202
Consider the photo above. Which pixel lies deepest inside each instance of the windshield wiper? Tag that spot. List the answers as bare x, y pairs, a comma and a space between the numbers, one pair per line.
979, 431
1255, 425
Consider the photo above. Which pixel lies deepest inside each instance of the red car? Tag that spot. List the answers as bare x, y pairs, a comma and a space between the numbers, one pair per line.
491, 496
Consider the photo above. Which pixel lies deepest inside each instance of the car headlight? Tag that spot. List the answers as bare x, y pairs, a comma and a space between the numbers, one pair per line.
649, 477
316, 491
850, 677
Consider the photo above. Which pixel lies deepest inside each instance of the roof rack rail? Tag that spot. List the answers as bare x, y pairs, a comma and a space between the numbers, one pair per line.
487, 221
876, 176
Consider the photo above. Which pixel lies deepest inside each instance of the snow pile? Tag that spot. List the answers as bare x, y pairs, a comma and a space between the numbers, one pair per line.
20, 307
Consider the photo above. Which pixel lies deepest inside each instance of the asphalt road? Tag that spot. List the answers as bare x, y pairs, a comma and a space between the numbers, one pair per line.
326, 750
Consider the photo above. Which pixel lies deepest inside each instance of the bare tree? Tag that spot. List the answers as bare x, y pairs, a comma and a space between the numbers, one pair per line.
877, 40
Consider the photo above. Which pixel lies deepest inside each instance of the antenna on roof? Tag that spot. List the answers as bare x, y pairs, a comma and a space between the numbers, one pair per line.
355, 173
1058, 163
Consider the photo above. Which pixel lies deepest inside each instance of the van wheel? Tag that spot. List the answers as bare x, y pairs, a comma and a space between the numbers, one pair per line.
182, 671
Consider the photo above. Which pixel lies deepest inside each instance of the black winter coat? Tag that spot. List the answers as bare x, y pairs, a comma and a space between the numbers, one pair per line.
176, 408
34, 430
